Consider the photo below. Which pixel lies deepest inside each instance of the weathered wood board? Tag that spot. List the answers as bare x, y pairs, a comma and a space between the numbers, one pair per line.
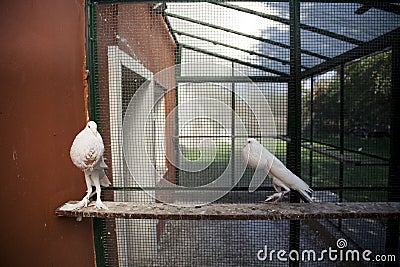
283, 211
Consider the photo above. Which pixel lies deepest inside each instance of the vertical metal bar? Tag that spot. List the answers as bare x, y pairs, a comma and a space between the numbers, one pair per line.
293, 149
293, 155
341, 137
392, 230
178, 60
310, 166
233, 134
99, 246
341, 129
91, 59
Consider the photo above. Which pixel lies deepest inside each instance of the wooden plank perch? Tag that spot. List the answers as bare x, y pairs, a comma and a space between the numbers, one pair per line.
292, 211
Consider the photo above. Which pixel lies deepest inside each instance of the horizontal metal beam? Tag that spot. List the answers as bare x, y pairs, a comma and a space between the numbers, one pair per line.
361, 10
231, 79
287, 22
333, 155
246, 188
250, 52
268, 41
332, 146
388, 7
203, 51
378, 44
291, 211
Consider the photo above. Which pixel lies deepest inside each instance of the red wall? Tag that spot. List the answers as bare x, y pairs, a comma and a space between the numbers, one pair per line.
41, 110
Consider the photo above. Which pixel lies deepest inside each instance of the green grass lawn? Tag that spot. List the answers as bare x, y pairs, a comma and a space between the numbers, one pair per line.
326, 170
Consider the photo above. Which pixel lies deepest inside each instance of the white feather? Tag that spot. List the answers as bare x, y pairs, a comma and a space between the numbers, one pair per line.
87, 154
258, 157
87, 148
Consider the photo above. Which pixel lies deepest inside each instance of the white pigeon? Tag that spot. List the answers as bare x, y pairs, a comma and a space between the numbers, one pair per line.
257, 156
87, 154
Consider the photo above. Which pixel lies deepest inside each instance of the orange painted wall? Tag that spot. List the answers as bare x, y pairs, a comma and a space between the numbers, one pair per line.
146, 38
41, 110
150, 40
147, 35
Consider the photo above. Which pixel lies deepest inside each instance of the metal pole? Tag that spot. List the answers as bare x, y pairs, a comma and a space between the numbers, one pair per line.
233, 134
91, 32
310, 166
392, 230
178, 60
293, 149
293, 156
91, 48
341, 137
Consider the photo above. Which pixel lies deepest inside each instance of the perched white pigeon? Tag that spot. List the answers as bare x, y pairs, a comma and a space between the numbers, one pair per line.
87, 154
257, 156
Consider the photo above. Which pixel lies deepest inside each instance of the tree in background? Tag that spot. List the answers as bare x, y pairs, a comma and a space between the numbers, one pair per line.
366, 96
367, 92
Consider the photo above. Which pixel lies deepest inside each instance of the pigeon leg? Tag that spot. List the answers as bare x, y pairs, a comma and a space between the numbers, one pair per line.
276, 195
279, 197
99, 204
283, 193
88, 181
278, 189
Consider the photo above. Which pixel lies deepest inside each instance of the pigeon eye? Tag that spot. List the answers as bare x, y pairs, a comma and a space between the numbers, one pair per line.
248, 141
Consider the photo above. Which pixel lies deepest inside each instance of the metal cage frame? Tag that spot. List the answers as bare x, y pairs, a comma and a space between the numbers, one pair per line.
297, 73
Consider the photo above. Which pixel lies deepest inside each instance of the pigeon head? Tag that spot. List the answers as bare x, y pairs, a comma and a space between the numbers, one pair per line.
251, 140
92, 126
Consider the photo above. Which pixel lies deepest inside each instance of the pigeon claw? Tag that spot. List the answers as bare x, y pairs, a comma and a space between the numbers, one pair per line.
85, 202
100, 205
279, 196
276, 195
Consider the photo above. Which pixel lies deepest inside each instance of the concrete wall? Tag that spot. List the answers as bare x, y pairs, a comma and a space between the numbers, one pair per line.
41, 110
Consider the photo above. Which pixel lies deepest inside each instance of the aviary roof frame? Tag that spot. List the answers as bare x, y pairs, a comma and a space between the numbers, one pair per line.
320, 62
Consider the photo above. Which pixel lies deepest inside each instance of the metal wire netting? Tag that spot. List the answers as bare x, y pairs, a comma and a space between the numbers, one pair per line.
170, 91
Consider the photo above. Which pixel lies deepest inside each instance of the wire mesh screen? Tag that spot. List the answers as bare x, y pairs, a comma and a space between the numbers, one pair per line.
180, 87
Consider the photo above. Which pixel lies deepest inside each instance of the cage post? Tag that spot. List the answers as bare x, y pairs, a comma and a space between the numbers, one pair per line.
341, 136
91, 52
233, 128
170, 134
341, 130
293, 149
91, 49
293, 155
99, 247
310, 166
392, 231
178, 61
